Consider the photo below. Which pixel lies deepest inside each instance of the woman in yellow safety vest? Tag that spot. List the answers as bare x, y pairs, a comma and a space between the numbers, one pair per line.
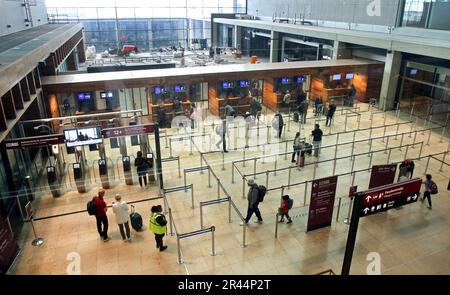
157, 225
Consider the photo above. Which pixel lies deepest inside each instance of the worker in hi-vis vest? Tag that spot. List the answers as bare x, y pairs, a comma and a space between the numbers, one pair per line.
158, 226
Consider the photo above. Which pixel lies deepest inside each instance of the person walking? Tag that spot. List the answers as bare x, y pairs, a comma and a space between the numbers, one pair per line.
287, 99
286, 204
222, 131
122, 212
317, 139
255, 107
158, 225
278, 123
161, 112
318, 104
253, 202
100, 215
304, 111
330, 113
297, 143
430, 189
142, 166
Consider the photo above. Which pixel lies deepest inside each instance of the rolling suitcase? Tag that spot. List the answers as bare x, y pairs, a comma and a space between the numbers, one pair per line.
136, 219
308, 148
301, 160
296, 117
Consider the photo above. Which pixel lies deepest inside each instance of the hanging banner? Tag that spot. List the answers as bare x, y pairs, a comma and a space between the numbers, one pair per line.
128, 130
382, 175
322, 203
8, 246
35, 141
390, 196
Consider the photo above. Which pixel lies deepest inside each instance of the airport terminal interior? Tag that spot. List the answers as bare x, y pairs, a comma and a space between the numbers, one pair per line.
335, 112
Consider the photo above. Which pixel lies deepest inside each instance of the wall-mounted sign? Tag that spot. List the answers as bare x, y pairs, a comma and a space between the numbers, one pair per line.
35, 141
128, 130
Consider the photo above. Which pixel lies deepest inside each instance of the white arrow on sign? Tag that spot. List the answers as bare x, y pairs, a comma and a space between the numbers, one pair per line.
366, 210
368, 199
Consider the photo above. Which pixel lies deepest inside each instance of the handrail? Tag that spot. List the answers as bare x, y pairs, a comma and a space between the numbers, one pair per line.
349, 173
322, 161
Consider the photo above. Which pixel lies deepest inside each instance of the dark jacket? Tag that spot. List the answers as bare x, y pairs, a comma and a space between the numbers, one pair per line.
252, 196
317, 134
142, 164
331, 110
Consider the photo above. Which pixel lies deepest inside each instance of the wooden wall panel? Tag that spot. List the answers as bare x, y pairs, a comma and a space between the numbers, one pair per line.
31, 83
8, 106
3, 124
269, 96
16, 92
37, 77
213, 100
25, 90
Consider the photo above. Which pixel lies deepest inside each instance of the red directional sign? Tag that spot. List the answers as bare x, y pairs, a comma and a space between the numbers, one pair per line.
128, 130
390, 196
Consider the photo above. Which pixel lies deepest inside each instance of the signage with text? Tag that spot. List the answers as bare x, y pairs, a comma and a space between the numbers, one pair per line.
322, 203
35, 141
390, 196
128, 130
382, 175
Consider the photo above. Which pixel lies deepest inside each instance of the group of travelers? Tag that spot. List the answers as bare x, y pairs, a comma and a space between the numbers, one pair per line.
98, 207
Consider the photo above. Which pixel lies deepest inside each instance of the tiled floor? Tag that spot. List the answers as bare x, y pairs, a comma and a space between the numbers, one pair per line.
412, 240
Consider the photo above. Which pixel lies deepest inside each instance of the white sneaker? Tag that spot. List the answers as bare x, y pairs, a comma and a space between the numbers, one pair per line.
258, 221
242, 223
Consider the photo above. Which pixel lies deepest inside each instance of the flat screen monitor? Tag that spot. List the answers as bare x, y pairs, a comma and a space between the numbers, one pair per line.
349, 76
83, 136
76, 166
101, 162
106, 94
149, 156
179, 88
83, 96
159, 90
413, 72
227, 84
244, 83
337, 77
50, 169
285, 80
125, 159
300, 79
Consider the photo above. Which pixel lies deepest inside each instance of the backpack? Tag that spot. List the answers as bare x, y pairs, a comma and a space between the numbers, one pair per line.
433, 188
290, 203
91, 207
261, 193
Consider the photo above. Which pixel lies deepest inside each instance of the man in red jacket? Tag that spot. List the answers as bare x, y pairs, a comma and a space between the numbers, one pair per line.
100, 215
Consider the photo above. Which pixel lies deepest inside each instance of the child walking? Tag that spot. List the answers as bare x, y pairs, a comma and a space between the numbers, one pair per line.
286, 205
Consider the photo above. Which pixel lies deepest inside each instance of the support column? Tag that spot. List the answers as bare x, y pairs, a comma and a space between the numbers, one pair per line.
274, 43
237, 37
340, 51
390, 79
